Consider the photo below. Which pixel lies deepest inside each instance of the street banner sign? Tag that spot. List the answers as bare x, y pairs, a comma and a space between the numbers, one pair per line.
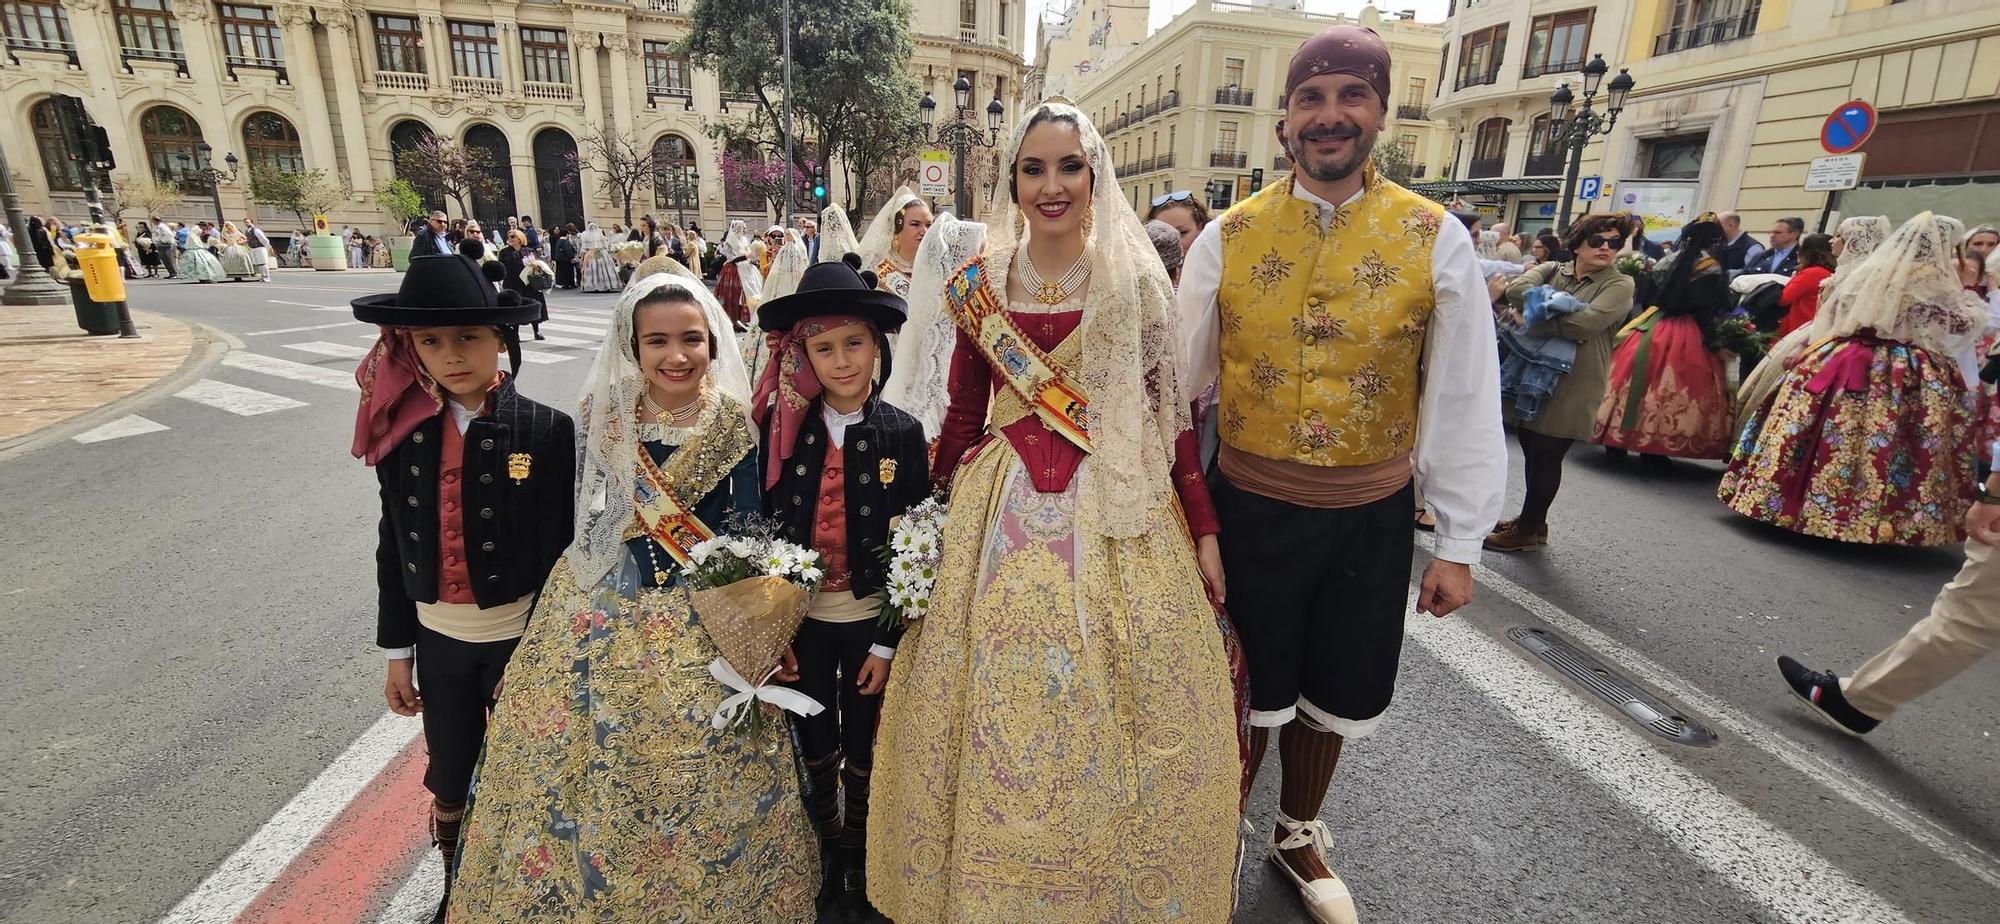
1848, 128
320, 224
1665, 205
1588, 187
932, 173
1835, 171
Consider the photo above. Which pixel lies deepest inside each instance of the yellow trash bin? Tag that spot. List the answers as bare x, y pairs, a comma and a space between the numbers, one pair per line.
99, 260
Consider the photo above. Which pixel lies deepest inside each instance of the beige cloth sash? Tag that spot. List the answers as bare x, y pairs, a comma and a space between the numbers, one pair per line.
467, 622
844, 606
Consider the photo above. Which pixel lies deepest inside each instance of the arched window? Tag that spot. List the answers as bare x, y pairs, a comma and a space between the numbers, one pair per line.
556, 180
406, 136
674, 174
494, 209
1544, 158
61, 164
269, 140
170, 136
1489, 148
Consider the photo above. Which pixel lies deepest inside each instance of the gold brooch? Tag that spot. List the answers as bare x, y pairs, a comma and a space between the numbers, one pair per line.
518, 464
887, 469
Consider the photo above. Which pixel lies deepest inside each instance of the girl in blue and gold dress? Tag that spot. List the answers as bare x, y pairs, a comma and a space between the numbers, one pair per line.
605, 794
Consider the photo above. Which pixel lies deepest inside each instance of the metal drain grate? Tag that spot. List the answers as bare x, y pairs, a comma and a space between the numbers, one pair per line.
1642, 707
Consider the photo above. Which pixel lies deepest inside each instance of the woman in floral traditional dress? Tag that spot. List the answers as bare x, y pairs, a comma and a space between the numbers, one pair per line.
1668, 396
1853, 240
1058, 737
605, 794
1868, 438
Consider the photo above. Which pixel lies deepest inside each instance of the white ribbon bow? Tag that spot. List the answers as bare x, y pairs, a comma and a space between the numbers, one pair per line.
732, 708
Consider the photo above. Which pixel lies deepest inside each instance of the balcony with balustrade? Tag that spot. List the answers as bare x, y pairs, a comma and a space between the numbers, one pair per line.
1712, 32
548, 92
1481, 168
665, 6
670, 95
476, 86
1235, 159
1235, 96
402, 82
1549, 163
1413, 112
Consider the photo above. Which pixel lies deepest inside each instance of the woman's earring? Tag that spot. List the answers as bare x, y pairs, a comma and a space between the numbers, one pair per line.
1089, 220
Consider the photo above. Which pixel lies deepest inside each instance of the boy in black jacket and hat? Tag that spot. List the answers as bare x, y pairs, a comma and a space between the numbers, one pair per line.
476, 486
840, 465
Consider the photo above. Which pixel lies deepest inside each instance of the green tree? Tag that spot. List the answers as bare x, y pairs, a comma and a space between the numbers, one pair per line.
280, 189
400, 198
150, 197
1393, 163
854, 101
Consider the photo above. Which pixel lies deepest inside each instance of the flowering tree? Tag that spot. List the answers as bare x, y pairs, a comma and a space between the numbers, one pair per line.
441, 167
756, 174
624, 167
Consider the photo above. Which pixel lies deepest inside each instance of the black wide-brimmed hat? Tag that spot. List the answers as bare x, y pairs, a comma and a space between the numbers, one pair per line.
834, 287
445, 290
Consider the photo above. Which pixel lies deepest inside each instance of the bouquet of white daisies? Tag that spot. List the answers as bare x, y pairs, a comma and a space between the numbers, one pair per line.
915, 546
750, 592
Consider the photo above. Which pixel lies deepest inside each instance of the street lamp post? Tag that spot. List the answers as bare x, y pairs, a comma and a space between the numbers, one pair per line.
961, 135
1574, 131
213, 177
31, 285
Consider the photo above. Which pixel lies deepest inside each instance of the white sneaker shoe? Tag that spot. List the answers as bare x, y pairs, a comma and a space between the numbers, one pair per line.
1327, 900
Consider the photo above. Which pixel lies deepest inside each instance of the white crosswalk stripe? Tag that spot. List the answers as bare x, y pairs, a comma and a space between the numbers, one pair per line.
128, 425
345, 351
287, 369
243, 402
573, 328
545, 341
323, 348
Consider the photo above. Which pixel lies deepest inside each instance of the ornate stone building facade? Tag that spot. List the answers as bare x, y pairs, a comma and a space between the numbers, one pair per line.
1196, 105
341, 85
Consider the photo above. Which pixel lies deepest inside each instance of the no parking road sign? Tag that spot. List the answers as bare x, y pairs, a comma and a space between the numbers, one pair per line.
934, 167
1848, 128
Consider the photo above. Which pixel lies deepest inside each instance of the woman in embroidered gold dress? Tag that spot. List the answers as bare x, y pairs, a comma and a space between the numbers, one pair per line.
1058, 736
604, 793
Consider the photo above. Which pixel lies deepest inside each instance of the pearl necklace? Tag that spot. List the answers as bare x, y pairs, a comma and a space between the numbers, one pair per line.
678, 417
1054, 293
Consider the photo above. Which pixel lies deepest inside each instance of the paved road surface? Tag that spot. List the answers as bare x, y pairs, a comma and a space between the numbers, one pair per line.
194, 708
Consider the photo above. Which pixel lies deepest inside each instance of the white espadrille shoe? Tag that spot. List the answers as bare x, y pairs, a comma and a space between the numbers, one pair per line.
1326, 899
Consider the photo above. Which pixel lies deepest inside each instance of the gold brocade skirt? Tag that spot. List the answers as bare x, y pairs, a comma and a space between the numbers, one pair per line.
1058, 736
605, 796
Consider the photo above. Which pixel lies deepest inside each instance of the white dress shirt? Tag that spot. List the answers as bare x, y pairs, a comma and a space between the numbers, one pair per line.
1461, 455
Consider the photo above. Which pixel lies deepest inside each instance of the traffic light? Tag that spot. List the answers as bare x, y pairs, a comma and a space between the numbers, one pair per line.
1256, 179
819, 190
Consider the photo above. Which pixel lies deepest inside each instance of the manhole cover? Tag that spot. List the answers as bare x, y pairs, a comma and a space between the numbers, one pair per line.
1642, 707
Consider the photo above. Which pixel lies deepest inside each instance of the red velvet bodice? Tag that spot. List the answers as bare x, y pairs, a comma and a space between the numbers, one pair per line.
1050, 459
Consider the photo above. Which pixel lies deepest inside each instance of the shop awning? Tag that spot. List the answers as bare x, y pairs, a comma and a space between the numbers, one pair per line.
1446, 190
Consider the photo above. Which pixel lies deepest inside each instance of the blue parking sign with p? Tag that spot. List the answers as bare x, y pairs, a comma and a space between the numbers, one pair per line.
1588, 187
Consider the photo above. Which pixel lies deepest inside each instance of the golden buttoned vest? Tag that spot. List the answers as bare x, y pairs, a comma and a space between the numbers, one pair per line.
1322, 332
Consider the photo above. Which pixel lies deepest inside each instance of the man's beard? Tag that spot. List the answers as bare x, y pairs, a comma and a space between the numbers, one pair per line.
1337, 167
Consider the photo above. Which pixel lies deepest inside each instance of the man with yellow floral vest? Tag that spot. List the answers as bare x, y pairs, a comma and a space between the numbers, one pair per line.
1355, 349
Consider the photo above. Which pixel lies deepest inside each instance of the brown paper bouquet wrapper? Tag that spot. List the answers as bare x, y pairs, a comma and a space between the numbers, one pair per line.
751, 621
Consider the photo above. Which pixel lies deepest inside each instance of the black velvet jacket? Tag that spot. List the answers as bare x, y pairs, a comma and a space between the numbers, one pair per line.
514, 529
885, 439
